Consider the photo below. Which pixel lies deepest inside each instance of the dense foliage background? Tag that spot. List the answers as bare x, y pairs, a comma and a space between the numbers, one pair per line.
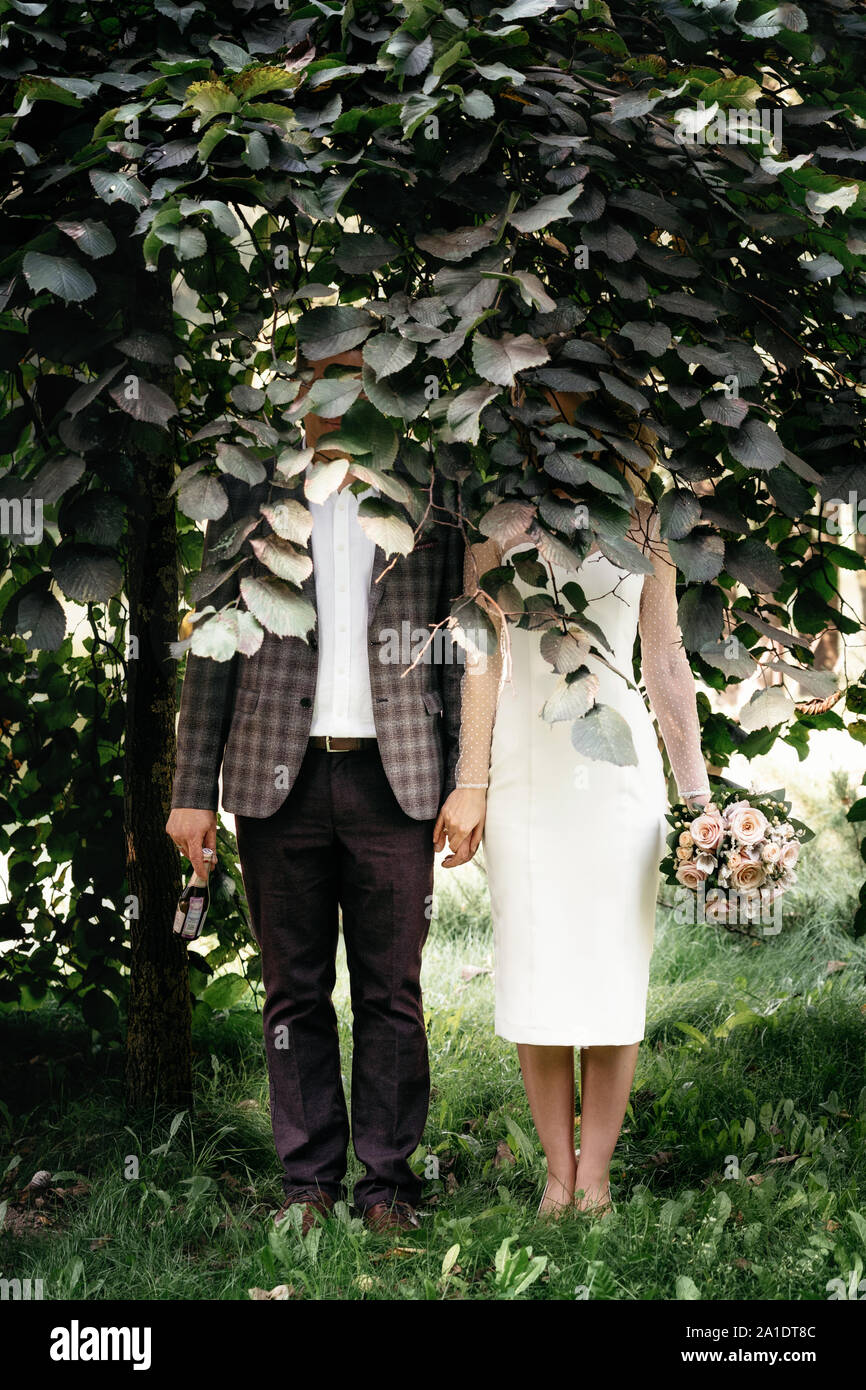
493, 205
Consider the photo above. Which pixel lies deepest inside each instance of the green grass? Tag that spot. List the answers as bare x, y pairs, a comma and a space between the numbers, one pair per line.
754, 1054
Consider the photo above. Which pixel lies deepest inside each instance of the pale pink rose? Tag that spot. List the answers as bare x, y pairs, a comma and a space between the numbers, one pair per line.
707, 830
790, 854
747, 877
771, 852
686, 840
684, 853
690, 876
732, 807
748, 825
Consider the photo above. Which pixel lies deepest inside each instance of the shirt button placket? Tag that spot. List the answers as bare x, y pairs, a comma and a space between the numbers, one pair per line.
341, 578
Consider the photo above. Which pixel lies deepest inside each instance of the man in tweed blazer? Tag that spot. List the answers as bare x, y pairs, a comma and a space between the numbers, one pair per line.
328, 822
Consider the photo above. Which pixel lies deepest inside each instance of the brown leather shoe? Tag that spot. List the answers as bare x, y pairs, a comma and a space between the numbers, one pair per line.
314, 1204
382, 1217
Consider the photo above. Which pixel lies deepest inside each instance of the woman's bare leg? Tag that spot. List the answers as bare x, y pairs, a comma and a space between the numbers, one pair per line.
606, 1077
548, 1075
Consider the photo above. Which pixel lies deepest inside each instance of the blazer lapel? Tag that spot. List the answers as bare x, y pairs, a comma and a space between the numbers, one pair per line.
375, 596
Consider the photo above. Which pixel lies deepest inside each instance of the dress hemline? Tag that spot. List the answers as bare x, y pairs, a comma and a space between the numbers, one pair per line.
537, 1038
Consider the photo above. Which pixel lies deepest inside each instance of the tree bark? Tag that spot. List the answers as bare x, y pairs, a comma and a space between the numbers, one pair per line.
158, 1042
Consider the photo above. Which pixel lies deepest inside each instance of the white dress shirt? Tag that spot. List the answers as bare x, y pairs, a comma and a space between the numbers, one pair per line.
343, 566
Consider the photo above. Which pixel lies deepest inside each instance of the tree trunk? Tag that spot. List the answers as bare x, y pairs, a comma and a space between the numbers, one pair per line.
158, 1043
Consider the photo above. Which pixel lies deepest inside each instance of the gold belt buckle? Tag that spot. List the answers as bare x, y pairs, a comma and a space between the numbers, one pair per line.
328, 748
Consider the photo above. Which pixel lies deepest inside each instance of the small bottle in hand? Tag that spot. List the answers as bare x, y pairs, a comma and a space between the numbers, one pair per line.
192, 906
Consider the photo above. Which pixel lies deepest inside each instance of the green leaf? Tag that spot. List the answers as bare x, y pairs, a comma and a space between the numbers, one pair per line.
67, 279
478, 105
41, 621
456, 245
364, 431
404, 403
240, 462
387, 483
731, 658
464, 410
572, 697
118, 188
85, 573
379, 520
766, 709
188, 242
701, 616
329, 397
754, 564
283, 558
278, 608
386, 353
328, 331
210, 99
324, 478
225, 991
94, 238
700, 556
546, 210
654, 338
360, 252
562, 650
686, 1288
144, 401
203, 498
679, 513
756, 445
500, 359
603, 735
290, 520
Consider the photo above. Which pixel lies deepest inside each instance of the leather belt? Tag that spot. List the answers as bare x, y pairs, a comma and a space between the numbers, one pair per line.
334, 744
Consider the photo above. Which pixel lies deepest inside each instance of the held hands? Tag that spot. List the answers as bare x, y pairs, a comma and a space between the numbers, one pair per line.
193, 831
462, 821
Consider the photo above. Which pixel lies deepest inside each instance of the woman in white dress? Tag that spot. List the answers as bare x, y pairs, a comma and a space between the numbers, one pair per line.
572, 847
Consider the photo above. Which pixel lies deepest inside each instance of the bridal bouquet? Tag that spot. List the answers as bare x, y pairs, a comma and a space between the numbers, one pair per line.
737, 855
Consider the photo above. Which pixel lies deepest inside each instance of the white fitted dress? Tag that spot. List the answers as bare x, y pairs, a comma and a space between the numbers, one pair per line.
572, 845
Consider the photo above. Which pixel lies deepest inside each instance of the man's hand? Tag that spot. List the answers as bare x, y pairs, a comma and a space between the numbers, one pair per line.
462, 820
193, 831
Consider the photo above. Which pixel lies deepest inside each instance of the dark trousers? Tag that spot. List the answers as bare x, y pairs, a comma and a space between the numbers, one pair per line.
341, 839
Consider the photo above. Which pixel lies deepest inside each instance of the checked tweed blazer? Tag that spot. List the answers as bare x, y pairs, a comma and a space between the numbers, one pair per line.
251, 715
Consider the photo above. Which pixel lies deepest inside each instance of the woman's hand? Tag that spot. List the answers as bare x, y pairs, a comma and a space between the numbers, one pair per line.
461, 819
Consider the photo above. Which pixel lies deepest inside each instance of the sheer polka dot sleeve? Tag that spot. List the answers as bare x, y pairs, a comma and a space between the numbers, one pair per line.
482, 678
667, 674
